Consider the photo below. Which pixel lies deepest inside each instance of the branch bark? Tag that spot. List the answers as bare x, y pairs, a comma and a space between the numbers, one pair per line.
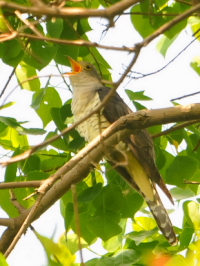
80, 165
54, 11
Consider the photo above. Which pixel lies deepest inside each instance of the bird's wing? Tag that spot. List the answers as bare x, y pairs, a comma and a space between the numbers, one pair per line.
140, 170
140, 143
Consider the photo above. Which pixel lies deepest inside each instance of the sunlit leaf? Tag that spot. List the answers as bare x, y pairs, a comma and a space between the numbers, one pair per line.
3, 260
182, 167
24, 74
180, 193
192, 213
57, 251
43, 101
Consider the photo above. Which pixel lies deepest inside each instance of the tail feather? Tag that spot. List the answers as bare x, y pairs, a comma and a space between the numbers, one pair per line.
159, 212
162, 218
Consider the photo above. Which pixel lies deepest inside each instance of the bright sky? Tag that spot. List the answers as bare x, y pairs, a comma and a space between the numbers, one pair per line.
176, 80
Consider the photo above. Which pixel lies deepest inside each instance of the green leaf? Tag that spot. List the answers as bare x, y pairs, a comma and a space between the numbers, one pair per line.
126, 257
180, 193
33, 131
68, 33
25, 72
30, 164
186, 237
58, 251
13, 53
144, 223
92, 262
7, 105
65, 111
182, 167
85, 227
76, 144
141, 22
59, 143
55, 27
57, 114
72, 242
90, 193
69, 215
192, 214
11, 139
164, 44
195, 64
37, 175
104, 224
139, 237
105, 261
115, 242
48, 99
38, 98
39, 54
131, 203
11, 122
195, 188
98, 58
83, 26
3, 126
53, 163
3, 260
109, 198
138, 96
11, 170
147, 24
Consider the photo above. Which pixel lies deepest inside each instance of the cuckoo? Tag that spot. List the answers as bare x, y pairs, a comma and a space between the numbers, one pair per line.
133, 158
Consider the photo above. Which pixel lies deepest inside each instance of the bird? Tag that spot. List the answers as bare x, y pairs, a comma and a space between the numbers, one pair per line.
134, 157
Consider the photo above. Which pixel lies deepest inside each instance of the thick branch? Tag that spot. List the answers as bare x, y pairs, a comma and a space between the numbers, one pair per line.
54, 11
80, 165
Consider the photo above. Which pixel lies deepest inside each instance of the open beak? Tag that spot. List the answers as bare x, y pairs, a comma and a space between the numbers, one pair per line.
76, 67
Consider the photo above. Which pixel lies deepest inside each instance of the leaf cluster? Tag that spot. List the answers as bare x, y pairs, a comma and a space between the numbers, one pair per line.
105, 203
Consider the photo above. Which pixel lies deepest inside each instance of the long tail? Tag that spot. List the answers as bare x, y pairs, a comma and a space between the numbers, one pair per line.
158, 210
162, 218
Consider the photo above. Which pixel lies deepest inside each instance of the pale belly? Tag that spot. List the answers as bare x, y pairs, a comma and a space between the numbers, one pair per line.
92, 127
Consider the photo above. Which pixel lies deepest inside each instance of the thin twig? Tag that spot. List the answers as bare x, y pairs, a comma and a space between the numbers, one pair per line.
24, 226
30, 25
151, 14
171, 61
191, 182
77, 221
24, 81
174, 128
76, 43
185, 96
8, 81
15, 202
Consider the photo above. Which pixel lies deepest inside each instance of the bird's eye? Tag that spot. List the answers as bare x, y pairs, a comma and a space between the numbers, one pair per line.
88, 67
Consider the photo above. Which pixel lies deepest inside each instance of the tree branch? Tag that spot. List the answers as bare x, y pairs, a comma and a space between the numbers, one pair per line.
80, 165
54, 11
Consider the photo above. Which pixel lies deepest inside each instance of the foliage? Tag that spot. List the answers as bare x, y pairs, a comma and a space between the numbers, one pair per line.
105, 203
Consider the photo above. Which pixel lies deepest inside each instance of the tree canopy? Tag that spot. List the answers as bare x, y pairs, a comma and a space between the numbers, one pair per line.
49, 162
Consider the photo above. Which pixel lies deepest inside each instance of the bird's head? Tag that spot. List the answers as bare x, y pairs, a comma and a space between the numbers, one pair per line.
83, 73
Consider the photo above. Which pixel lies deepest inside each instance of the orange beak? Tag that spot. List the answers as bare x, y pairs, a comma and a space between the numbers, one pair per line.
76, 67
